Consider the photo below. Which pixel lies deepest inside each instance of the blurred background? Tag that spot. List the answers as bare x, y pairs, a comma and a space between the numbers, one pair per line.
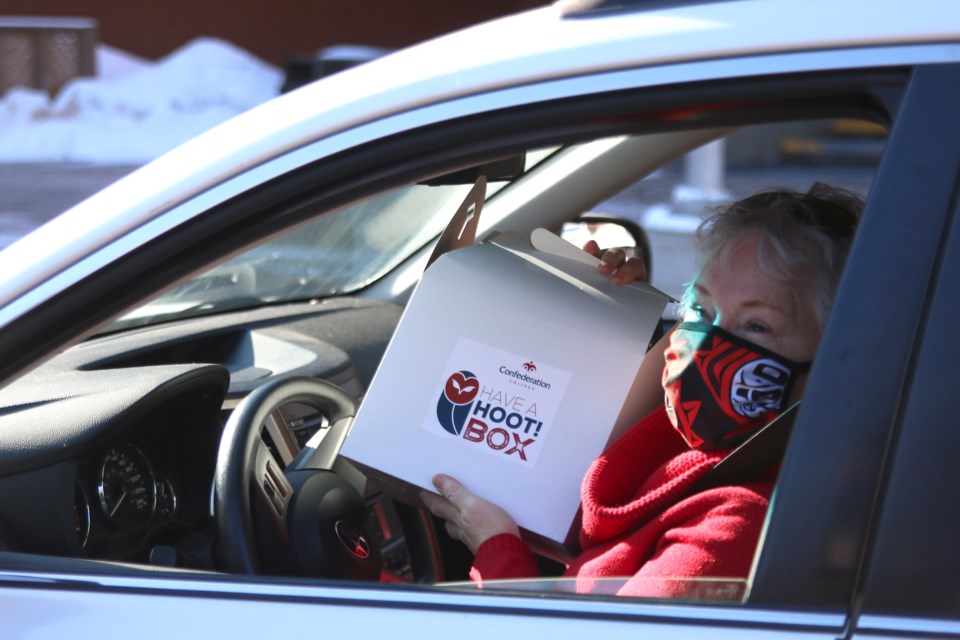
92, 89
274, 30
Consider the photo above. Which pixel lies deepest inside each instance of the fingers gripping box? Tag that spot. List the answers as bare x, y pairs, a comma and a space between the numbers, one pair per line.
510, 370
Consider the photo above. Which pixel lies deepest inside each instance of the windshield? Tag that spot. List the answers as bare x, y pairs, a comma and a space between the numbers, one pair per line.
334, 254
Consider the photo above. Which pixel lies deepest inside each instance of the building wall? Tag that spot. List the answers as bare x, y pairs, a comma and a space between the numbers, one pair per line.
271, 29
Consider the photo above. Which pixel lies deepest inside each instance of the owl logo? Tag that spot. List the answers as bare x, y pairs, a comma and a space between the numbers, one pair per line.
455, 402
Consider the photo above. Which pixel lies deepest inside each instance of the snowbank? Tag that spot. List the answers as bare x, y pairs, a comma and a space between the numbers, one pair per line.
135, 110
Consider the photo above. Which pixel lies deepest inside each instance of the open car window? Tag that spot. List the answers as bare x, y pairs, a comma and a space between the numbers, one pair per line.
338, 255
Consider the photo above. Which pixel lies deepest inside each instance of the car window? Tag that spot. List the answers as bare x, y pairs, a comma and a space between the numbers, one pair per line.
332, 255
341, 253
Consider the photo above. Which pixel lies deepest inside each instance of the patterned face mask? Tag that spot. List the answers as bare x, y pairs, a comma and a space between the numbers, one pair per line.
727, 389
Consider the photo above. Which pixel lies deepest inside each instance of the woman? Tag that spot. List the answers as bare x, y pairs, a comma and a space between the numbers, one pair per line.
750, 324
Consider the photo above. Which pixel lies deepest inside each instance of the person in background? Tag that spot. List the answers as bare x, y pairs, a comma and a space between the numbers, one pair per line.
750, 322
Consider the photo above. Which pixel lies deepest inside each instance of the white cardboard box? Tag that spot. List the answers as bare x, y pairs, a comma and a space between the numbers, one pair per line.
510, 369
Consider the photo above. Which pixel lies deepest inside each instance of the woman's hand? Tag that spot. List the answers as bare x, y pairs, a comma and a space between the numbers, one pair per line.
470, 519
615, 261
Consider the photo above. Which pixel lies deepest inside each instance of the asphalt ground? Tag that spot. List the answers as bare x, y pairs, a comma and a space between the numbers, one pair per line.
32, 194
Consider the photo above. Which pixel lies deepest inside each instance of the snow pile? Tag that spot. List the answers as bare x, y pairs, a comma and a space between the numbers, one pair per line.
135, 110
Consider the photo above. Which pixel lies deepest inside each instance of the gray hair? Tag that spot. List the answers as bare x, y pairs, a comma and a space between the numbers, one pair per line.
804, 239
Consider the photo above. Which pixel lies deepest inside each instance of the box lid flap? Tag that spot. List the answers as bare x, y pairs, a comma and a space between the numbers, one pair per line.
462, 229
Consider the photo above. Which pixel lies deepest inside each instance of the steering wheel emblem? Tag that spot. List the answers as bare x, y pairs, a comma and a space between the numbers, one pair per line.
351, 538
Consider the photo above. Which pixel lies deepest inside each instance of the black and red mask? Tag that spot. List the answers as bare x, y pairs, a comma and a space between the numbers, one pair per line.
726, 388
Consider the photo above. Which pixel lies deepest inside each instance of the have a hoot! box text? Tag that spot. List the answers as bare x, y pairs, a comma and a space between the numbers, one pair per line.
496, 402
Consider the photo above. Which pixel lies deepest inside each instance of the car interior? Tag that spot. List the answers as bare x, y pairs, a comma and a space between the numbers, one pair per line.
114, 451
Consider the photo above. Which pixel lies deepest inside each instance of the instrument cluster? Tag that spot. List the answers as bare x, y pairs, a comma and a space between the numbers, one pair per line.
122, 494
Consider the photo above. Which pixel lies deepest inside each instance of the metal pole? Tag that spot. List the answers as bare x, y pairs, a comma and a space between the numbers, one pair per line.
704, 168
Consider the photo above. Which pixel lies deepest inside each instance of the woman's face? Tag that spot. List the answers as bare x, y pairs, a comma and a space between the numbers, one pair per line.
743, 299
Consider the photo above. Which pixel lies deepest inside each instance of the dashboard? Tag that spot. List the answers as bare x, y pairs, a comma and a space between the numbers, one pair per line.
109, 450
145, 491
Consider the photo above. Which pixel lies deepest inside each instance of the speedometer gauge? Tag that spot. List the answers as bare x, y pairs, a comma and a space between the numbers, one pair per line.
126, 487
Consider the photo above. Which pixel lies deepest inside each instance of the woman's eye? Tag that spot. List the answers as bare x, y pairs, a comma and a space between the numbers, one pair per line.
758, 327
699, 313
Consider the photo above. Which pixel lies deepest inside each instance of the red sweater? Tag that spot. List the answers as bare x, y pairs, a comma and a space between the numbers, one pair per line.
639, 523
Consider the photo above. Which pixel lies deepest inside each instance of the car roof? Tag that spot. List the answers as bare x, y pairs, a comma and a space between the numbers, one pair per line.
542, 45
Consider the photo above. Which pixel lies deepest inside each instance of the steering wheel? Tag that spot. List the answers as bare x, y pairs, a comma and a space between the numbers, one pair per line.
302, 520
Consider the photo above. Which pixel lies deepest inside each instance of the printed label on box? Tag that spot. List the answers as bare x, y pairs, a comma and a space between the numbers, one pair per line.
497, 402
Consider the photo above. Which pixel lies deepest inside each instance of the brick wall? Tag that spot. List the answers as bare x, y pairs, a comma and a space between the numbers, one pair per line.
272, 29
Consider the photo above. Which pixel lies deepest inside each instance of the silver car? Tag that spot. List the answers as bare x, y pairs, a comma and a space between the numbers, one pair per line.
256, 274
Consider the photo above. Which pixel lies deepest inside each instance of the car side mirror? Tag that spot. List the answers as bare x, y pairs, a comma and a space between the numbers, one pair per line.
610, 233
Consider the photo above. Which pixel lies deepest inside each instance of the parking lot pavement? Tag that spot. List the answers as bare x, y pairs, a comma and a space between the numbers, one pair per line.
31, 194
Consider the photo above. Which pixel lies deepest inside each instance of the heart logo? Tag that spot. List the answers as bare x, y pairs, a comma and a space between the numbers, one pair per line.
462, 387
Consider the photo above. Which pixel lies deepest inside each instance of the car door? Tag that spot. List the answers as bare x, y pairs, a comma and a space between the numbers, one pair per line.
807, 573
